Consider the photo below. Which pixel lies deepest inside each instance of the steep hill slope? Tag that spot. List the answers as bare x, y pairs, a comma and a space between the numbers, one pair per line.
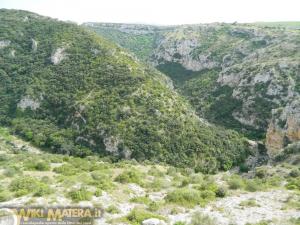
242, 76
70, 91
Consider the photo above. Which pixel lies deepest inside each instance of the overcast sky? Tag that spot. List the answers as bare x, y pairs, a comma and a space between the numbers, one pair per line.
162, 12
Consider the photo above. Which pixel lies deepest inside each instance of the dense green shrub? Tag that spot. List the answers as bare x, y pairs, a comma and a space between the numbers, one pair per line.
180, 223
130, 176
243, 168
4, 196
153, 206
253, 185
157, 184
81, 194
102, 180
66, 169
137, 216
293, 184
235, 182
3, 157
101, 175
295, 173
171, 171
42, 190
42, 166
98, 192
221, 192
197, 178
261, 172
23, 185
26, 185
141, 199
112, 209
207, 184
190, 197
154, 171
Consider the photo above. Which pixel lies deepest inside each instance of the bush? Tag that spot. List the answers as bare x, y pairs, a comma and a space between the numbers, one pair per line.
294, 173
25, 185
42, 190
4, 196
274, 181
235, 182
221, 192
3, 157
81, 194
197, 178
293, 184
42, 166
200, 219
185, 182
66, 170
100, 175
102, 180
153, 206
261, 172
171, 171
157, 184
189, 197
208, 184
254, 185
137, 216
130, 176
244, 168
141, 199
112, 209
98, 192
154, 171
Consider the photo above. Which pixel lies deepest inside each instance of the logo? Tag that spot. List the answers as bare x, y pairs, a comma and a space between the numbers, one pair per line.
49, 216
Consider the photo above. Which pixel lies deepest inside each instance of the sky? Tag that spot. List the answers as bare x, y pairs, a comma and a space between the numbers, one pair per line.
162, 12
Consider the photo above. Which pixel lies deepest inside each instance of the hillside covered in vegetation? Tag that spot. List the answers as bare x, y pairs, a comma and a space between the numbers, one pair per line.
69, 91
241, 76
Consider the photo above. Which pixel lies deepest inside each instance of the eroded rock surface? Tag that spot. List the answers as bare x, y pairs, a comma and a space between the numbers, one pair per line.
284, 127
58, 56
28, 102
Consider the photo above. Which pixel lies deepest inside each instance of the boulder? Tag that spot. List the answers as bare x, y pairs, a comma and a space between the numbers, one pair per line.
153, 221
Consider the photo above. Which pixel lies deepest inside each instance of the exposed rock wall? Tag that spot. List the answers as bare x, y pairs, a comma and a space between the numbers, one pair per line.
4, 43
58, 56
284, 127
34, 45
28, 102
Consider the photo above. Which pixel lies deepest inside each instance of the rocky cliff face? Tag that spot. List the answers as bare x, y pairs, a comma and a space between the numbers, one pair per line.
284, 127
240, 75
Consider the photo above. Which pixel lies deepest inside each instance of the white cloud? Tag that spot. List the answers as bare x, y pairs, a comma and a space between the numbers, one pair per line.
162, 11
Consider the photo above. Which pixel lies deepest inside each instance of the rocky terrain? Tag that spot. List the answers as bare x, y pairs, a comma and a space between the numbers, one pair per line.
242, 76
146, 194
